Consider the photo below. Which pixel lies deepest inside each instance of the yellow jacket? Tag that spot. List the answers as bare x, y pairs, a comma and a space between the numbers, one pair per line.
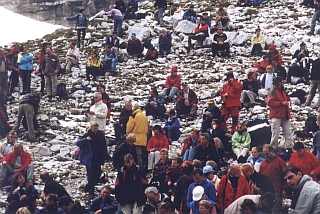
258, 40
94, 62
138, 125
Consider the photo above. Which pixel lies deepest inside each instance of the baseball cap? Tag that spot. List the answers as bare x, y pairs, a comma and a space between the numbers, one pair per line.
133, 34
207, 169
197, 193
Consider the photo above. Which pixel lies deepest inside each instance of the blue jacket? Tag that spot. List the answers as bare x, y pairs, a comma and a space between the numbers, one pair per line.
190, 15
194, 206
173, 125
92, 151
316, 144
134, 4
109, 206
165, 41
252, 160
81, 20
26, 62
160, 99
110, 55
50, 209
209, 190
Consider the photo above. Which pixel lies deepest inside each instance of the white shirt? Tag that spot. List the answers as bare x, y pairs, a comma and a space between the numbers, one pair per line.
186, 94
74, 51
269, 81
100, 112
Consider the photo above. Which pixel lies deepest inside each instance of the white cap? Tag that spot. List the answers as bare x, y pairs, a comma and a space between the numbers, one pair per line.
197, 193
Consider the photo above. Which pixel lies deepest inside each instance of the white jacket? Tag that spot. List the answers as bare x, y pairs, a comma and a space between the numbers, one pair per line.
100, 112
235, 207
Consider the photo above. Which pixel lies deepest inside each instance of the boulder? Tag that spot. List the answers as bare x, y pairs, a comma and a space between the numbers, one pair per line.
43, 151
177, 17
240, 39
141, 32
185, 26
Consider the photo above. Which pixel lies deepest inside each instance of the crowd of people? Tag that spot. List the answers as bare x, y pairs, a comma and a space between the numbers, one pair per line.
149, 179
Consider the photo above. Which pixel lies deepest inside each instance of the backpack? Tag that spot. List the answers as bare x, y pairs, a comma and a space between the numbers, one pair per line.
62, 90
311, 124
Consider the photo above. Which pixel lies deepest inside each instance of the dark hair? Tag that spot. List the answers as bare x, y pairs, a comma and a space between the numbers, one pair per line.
158, 127
15, 180
44, 175
21, 48
81, 10
95, 53
101, 86
250, 204
155, 91
206, 135
107, 187
178, 159
52, 197
188, 169
298, 146
65, 201
73, 43
258, 29
265, 57
216, 120
172, 112
197, 171
43, 50
269, 197
277, 80
269, 147
109, 46
166, 206
291, 168
250, 73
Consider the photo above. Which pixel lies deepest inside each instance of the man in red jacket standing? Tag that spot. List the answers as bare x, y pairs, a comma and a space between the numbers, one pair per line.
279, 103
200, 33
272, 168
17, 161
230, 94
173, 85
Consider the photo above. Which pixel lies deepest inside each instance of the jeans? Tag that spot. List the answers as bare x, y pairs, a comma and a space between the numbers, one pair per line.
171, 92
183, 109
7, 170
315, 84
26, 80
93, 175
158, 16
110, 64
117, 24
315, 17
286, 129
189, 154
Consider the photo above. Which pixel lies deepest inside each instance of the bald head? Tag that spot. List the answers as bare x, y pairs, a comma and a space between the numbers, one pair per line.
235, 169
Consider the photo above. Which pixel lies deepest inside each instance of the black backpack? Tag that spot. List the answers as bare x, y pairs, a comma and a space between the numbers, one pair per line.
62, 90
311, 124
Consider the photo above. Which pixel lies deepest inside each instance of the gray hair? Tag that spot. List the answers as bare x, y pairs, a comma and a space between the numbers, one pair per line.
255, 148
135, 106
98, 94
151, 190
164, 29
234, 165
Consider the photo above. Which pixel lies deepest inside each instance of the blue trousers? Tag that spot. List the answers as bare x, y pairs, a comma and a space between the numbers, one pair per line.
189, 154
315, 17
117, 24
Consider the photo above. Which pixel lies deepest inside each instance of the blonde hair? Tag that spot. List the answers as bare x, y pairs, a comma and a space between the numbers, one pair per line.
270, 67
245, 167
206, 204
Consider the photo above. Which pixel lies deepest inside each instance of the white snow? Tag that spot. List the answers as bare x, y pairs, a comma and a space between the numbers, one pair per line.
18, 28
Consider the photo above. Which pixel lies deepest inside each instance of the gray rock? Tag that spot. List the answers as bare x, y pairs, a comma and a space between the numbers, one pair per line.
43, 151
185, 26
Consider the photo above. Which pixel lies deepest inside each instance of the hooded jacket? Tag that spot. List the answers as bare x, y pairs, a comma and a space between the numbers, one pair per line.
158, 142
138, 125
233, 90
274, 101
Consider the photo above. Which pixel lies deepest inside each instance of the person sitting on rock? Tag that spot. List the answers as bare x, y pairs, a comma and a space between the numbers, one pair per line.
165, 42
22, 195
241, 142
104, 203
132, 7
110, 60
299, 69
17, 161
127, 147
200, 34
113, 42
72, 207
189, 145
210, 112
250, 89
72, 57
258, 43
219, 43
303, 49
81, 25
120, 5
206, 19
261, 65
187, 102
274, 54
157, 142
267, 79
152, 53
222, 18
190, 14
93, 66
218, 137
279, 70
155, 105
134, 46
6, 148
172, 126
206, 151
51, 205
173, 85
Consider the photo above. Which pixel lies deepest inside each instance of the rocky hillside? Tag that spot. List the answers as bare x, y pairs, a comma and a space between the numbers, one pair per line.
283, 23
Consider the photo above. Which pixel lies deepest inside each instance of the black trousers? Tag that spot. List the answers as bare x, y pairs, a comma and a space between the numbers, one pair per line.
216, 47
79, 32
93, 174
157, 111
199, 38
94, 71
256, 49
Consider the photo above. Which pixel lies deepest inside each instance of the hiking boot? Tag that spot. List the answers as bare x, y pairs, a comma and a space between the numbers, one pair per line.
310, 33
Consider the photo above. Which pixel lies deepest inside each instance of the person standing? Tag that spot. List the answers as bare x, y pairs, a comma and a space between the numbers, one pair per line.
279, 103
158, 15
230, 94
138, 125
117, 19
315, 18
41, 56
3, 72
121, 127
92, 154
314, 82
25, 61
98, 112
81, 25
50, 68
72, 57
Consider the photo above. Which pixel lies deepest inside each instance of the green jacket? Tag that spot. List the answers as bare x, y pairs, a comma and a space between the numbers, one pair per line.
241, 140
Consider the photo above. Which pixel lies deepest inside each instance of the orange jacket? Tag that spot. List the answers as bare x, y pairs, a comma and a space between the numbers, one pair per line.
12, 156
186, 142
158, 142
233, 90
226, 194
307, 163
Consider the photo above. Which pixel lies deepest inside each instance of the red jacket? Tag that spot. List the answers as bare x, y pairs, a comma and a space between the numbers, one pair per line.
261, 66
234, 93
307, 163
192, 97
273, 170
158, 142
277, 110
226, 194
12, 156
276, 55
186, 142
173, 81
203, 29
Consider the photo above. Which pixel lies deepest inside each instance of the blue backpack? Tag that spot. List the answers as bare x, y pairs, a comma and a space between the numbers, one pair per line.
62, 90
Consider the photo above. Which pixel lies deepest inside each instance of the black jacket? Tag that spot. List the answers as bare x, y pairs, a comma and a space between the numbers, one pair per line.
262, 182
180, 194
150, 208
120, 5
280, 71
113, 42
121, 151
14, 78
161, 4
205, 154
30, 192
78, 209
51, 186
315, 70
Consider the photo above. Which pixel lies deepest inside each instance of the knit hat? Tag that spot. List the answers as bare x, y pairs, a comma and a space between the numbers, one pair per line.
272, 47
